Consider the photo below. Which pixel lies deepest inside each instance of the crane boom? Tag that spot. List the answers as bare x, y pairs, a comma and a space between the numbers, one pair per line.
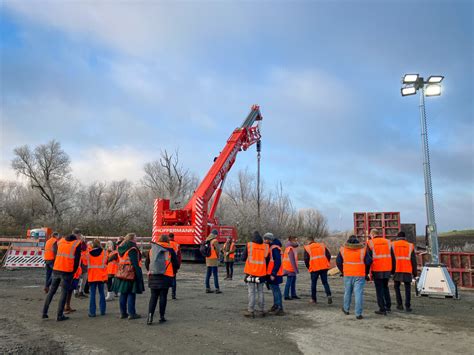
192, 223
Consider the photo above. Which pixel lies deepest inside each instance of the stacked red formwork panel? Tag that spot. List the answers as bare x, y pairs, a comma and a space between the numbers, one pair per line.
460, 266
386, 223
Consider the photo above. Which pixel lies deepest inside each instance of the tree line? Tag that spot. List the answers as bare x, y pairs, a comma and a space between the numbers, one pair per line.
51, 196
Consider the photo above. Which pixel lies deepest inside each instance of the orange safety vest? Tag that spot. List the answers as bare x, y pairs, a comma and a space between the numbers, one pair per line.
402, 250
271, 263
213, 250
353, 261
112, 266
286, 259
97, 267
175, 246
168, 266
255, 264
48, 249
382, 259
65, 256
317, 257
232, 248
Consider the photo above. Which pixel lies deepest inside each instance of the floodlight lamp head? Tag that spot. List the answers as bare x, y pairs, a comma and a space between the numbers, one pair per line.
408, 90
410, 78
435, 79
433, 90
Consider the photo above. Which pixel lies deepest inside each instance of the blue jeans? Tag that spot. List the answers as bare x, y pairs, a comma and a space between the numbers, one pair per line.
276, 296
290, 284
314, 281
212, 270
127, 299
354, 284
49, 273
92, 307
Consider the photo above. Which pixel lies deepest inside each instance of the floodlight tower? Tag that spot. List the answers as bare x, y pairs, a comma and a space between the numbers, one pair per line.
435, 279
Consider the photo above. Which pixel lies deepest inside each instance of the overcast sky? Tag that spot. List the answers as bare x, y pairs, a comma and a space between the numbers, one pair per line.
117, 82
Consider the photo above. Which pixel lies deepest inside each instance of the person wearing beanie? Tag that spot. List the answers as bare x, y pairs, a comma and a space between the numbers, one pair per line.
275, 273
290, 267
212, 262
404, 268
228, 251
354, 262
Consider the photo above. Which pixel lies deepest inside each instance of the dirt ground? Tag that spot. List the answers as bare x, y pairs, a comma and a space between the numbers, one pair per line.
200, 323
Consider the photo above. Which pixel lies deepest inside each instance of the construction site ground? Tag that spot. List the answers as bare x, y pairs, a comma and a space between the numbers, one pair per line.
200, 323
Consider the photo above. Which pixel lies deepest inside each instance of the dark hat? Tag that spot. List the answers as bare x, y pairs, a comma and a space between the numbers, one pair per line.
353, 240
215, 232
401, 235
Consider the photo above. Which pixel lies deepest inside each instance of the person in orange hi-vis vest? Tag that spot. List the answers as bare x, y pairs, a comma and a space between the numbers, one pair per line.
256, 256
404, 269
162, 264
112, 266
379, 250
129, 255
177, 249
354, 262
50, 250
67, 261
290, 267
212, 262
83, 287
275, 272
317, 259
96, 276
229, 257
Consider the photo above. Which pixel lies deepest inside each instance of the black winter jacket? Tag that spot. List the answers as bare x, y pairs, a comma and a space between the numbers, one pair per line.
161, 281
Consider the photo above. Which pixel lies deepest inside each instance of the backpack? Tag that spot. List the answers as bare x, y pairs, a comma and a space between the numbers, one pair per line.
158, 260
205, 249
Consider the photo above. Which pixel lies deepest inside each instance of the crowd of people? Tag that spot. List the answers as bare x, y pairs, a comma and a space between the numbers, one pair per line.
81, 267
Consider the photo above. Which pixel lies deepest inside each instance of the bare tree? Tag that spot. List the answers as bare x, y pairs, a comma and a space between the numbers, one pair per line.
167, 178
48, 171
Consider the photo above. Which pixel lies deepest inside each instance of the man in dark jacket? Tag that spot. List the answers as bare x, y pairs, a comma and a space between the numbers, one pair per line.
355, 275
64, 279
405, 277
379, 250
275, 277
255, 283
318, 267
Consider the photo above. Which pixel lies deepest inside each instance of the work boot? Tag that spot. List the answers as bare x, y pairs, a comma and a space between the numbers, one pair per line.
134, 316
208, 290
360, 317
218, 291
273, 309
344, 311
248, 314
296, 297
381, 313
68, 310
44, 316
173, 296
288, 298
400, 307
61, 318
279, 312
408, 309
329, 299
149, 320
124, 316
162, 319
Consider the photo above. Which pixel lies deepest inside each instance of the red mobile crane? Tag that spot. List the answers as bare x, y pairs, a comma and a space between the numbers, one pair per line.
192, 224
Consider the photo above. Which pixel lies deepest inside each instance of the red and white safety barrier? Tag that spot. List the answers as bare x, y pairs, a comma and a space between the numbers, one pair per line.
24, 258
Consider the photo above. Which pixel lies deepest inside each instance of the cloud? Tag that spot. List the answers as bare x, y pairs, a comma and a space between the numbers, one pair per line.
116, 163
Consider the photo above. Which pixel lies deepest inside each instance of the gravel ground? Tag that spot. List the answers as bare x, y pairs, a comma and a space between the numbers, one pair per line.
200, 323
